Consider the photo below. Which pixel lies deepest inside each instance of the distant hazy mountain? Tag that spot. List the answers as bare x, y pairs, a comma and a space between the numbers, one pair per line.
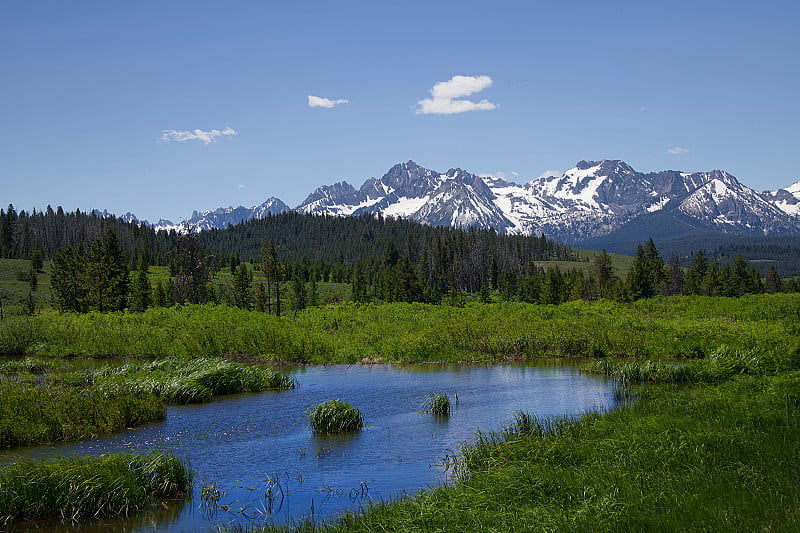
223, 217
591, 203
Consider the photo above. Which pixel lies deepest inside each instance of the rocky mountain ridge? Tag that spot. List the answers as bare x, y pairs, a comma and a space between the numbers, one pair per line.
594, 199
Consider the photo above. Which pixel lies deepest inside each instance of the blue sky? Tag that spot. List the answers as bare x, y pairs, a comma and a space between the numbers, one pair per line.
160, 108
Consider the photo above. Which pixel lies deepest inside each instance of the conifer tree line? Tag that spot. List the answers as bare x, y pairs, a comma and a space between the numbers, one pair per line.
103, 263
100, 280
23, 234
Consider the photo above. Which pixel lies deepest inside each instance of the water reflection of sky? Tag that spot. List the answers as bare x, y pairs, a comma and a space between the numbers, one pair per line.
252, 444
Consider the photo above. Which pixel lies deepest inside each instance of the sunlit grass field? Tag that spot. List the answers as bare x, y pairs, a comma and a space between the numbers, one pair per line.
707, 439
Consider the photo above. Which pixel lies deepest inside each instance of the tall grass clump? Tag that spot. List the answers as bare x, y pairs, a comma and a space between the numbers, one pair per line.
31, 365
180, 381
73, 489
525, 425
38, 414
436, 404
334, 416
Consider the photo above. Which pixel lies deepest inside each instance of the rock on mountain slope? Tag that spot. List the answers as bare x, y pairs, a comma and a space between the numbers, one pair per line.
225, 216
787, 200
455, 198
592, 200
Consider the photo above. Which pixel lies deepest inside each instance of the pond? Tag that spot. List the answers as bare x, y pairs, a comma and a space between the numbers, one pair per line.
258, 460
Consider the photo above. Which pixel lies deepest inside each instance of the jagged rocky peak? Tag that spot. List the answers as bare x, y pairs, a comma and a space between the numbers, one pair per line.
591, 199
586, 165
408, 179
337, 190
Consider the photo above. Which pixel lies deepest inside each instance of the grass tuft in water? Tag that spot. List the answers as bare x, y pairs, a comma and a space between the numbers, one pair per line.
334, 416
29, 365
73, 489
436, 404
526, 425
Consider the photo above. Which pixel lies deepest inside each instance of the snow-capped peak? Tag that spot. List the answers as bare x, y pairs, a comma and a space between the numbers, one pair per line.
591, 199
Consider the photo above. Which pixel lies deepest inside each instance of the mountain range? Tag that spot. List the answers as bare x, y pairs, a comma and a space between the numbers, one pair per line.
593, 204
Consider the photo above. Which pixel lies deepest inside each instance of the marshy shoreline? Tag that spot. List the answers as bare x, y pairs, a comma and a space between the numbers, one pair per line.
708, 444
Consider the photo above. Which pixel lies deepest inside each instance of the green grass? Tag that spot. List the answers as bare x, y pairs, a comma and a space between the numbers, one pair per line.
680, 327
334, 416
704, 446
73, 489
32, 365
621, 264
31, 414
67, 404
716, 457
14, 291
179, 381
436, 404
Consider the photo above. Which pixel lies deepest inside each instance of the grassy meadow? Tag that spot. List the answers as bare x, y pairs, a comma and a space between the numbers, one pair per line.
710, 440
689, 328
710, 458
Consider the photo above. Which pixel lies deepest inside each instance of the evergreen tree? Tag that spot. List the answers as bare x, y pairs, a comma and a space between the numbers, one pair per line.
30, 304
212, 294
313, 292
272, 270
674, 282
696, 274
261, 297
107, 274
8, 222
552, 288
483, 296
142, 292
68, 280
33, 281
37, 259
737, 278
298, 295
603, 271
712, 283
647, 271
241, 286
773, 282
169, 291
160, 298
193, 270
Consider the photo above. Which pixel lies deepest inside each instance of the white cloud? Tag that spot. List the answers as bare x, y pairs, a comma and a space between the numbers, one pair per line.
205, 137
678, 150
448, 96
318, 101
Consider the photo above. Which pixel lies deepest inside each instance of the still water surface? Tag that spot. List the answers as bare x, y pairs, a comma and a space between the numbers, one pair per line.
253, 446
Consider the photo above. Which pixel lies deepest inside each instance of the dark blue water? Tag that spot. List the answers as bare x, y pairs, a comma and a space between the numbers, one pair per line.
259, 455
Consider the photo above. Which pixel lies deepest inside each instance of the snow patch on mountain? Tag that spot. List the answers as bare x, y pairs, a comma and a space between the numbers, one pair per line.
787, 200
591, 199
